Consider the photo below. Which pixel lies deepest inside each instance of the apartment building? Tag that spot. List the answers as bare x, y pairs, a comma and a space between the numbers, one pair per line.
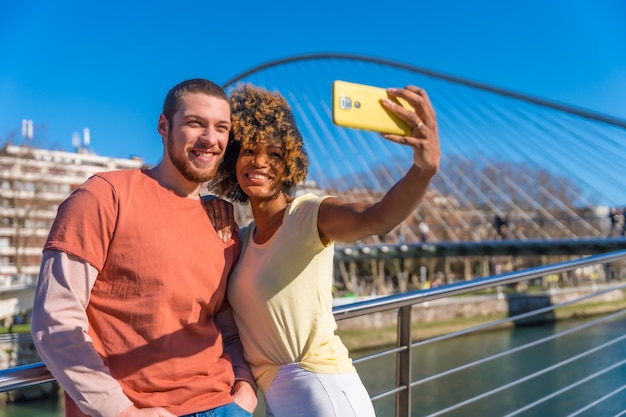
33, 182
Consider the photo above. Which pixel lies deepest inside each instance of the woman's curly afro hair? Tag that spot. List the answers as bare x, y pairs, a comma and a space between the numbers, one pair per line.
258, 114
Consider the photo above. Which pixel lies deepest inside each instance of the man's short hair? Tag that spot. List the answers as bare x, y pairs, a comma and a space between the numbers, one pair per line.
174, 98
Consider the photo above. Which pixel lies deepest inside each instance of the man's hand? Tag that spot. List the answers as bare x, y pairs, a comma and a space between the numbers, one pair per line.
133, 411
222, 216
245, 396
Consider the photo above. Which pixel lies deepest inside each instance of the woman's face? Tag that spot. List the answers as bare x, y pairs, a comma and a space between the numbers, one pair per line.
260, 169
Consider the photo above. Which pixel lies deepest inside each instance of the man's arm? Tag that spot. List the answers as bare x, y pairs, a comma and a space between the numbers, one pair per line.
59, 329
222, 216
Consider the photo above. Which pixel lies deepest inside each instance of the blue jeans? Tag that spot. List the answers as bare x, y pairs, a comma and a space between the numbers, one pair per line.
228, 410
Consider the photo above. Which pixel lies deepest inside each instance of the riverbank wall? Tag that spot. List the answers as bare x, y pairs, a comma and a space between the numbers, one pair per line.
461, 308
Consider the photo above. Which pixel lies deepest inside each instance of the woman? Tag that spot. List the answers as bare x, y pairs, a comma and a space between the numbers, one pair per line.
280, 290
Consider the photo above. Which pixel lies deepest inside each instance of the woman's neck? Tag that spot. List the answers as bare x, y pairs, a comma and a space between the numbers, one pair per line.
268, 216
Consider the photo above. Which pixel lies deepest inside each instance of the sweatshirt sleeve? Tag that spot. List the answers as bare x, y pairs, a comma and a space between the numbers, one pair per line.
60, 333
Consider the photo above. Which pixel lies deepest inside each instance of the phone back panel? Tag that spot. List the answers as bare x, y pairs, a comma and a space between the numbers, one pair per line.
359, 106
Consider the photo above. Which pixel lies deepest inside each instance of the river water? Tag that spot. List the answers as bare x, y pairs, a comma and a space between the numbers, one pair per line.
445, 392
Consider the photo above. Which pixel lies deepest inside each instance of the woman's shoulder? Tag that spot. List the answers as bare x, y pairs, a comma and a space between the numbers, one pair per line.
308, 199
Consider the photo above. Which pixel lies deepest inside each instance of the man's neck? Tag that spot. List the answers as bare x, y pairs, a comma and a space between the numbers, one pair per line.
175, 182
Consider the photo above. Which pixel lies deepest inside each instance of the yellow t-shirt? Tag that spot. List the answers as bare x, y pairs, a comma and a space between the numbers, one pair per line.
281, 293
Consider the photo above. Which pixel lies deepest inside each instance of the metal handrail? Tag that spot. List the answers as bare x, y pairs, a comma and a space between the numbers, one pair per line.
405, 301
24, 376
36, 373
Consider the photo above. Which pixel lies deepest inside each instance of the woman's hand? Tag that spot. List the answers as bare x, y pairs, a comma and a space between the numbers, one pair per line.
350, 221
424, 138
221, 214
245, 396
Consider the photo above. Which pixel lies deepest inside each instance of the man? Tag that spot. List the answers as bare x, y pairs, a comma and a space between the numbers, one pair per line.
132, 283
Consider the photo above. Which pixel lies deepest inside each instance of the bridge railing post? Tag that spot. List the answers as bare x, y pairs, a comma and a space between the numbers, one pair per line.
403, 369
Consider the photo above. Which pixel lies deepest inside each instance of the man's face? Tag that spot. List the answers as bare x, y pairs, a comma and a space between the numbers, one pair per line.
197, 135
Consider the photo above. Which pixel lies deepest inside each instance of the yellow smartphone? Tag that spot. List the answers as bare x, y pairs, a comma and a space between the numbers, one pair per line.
359, 106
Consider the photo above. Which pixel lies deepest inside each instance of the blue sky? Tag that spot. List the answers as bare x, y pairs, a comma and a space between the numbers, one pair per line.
71, 64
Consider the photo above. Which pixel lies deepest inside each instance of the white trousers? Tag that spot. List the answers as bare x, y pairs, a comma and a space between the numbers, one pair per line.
297, 392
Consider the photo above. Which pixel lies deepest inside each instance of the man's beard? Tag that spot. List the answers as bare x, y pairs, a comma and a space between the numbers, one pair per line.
186, 167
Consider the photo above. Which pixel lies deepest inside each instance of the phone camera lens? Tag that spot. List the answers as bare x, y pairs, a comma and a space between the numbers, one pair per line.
345, 103
357, 104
